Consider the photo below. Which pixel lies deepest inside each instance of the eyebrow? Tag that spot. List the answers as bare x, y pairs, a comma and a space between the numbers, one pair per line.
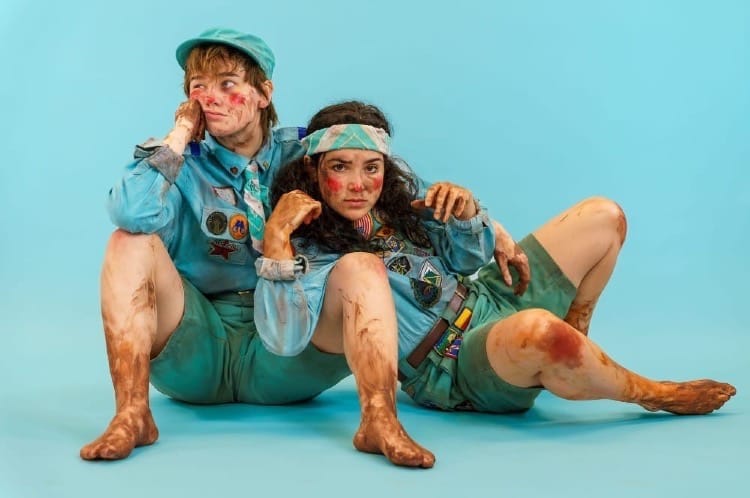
200, 76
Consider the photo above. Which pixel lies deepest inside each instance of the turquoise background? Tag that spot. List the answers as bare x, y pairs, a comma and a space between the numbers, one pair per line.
533, 105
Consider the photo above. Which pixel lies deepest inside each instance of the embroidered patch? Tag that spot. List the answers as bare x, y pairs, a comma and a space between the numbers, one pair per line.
238, 226
463, 319
226, 194
385, 232
423, 252
364, 226
443, 345
428, 273
400, 265
453, 347
395, 244
216, 222
222, 248
425, 293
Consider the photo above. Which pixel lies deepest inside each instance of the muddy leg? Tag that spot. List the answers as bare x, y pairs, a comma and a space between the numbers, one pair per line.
585, 242
138, 278
534, 347
359, 301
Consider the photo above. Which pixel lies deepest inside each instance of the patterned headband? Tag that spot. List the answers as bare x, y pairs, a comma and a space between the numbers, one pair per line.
348, 136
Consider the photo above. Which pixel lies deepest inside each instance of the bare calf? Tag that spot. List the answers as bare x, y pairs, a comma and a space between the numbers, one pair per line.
142, 303
536, 348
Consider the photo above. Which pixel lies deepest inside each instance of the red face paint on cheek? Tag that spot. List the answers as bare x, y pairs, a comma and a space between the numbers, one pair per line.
377, 183
237, 99
333, 185
197, 94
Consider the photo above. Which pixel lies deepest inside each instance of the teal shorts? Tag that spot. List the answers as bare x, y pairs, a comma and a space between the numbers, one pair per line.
468, 381
216, 356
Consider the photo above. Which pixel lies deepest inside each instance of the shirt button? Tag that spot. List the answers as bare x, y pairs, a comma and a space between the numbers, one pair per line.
233, 170
265, 164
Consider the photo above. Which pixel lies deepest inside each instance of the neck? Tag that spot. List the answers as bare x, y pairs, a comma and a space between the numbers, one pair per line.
246, 142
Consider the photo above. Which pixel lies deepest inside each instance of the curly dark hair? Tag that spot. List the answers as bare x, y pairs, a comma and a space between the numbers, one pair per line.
332, 231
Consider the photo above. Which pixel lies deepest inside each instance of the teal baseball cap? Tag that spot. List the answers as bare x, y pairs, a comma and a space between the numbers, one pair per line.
246, 43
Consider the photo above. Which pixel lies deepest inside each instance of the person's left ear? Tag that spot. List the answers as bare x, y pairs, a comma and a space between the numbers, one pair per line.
267, 93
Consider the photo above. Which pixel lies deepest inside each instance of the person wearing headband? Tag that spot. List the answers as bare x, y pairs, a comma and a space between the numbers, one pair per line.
179, 272
464, 343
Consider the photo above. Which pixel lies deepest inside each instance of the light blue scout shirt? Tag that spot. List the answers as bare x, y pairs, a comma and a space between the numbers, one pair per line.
422, 280
195, 204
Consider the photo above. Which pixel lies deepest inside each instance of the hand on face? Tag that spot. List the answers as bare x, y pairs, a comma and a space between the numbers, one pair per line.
448, 199
190, 116
230, 105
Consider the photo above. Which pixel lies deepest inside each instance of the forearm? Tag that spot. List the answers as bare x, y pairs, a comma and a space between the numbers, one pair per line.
179, 137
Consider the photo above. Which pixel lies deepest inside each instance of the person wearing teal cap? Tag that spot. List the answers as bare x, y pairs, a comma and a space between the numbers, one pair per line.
470, 344
179, 272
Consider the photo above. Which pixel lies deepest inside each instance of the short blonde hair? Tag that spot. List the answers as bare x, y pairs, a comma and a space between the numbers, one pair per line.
210, 57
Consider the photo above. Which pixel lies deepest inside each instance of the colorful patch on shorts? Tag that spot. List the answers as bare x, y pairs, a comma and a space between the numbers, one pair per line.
425, 293
428, 273
216, 222
400, 265
238, 226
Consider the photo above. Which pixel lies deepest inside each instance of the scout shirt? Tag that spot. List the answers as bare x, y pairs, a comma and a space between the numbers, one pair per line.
422, 280
195, 204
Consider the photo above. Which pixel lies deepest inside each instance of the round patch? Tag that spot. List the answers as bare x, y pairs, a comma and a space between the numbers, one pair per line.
238, 226
426, 294
216, 222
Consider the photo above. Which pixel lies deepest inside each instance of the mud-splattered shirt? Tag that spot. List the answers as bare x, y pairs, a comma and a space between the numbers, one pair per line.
195, 204
423, 281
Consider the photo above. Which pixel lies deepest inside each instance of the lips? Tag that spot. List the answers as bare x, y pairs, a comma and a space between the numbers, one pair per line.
212, 115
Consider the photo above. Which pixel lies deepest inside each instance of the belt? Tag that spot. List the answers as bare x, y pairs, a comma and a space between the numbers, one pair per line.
241, 296
429, 341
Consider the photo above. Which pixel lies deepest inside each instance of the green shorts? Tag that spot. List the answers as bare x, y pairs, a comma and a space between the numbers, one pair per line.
468, 382
216, 356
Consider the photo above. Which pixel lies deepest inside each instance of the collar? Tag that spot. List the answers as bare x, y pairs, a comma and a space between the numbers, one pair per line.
235, 163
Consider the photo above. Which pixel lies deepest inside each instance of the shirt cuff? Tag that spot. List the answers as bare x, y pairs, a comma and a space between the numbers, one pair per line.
288, 269
161, 158
476, 224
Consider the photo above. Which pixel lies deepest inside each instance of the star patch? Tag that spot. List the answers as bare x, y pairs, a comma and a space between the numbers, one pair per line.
400, 265
222, 248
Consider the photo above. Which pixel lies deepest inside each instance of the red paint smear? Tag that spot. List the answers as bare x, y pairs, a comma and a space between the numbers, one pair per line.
334, 185
197, 94
377, 183
237, 99
563, 344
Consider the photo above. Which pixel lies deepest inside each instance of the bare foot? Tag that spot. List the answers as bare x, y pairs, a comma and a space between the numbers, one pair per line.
696, 397
382, 433
128, 429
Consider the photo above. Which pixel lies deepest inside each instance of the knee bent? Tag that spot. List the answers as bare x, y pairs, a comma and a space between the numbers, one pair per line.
607, 213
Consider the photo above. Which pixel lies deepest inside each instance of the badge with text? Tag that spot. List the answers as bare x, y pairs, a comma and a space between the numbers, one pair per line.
216, 222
